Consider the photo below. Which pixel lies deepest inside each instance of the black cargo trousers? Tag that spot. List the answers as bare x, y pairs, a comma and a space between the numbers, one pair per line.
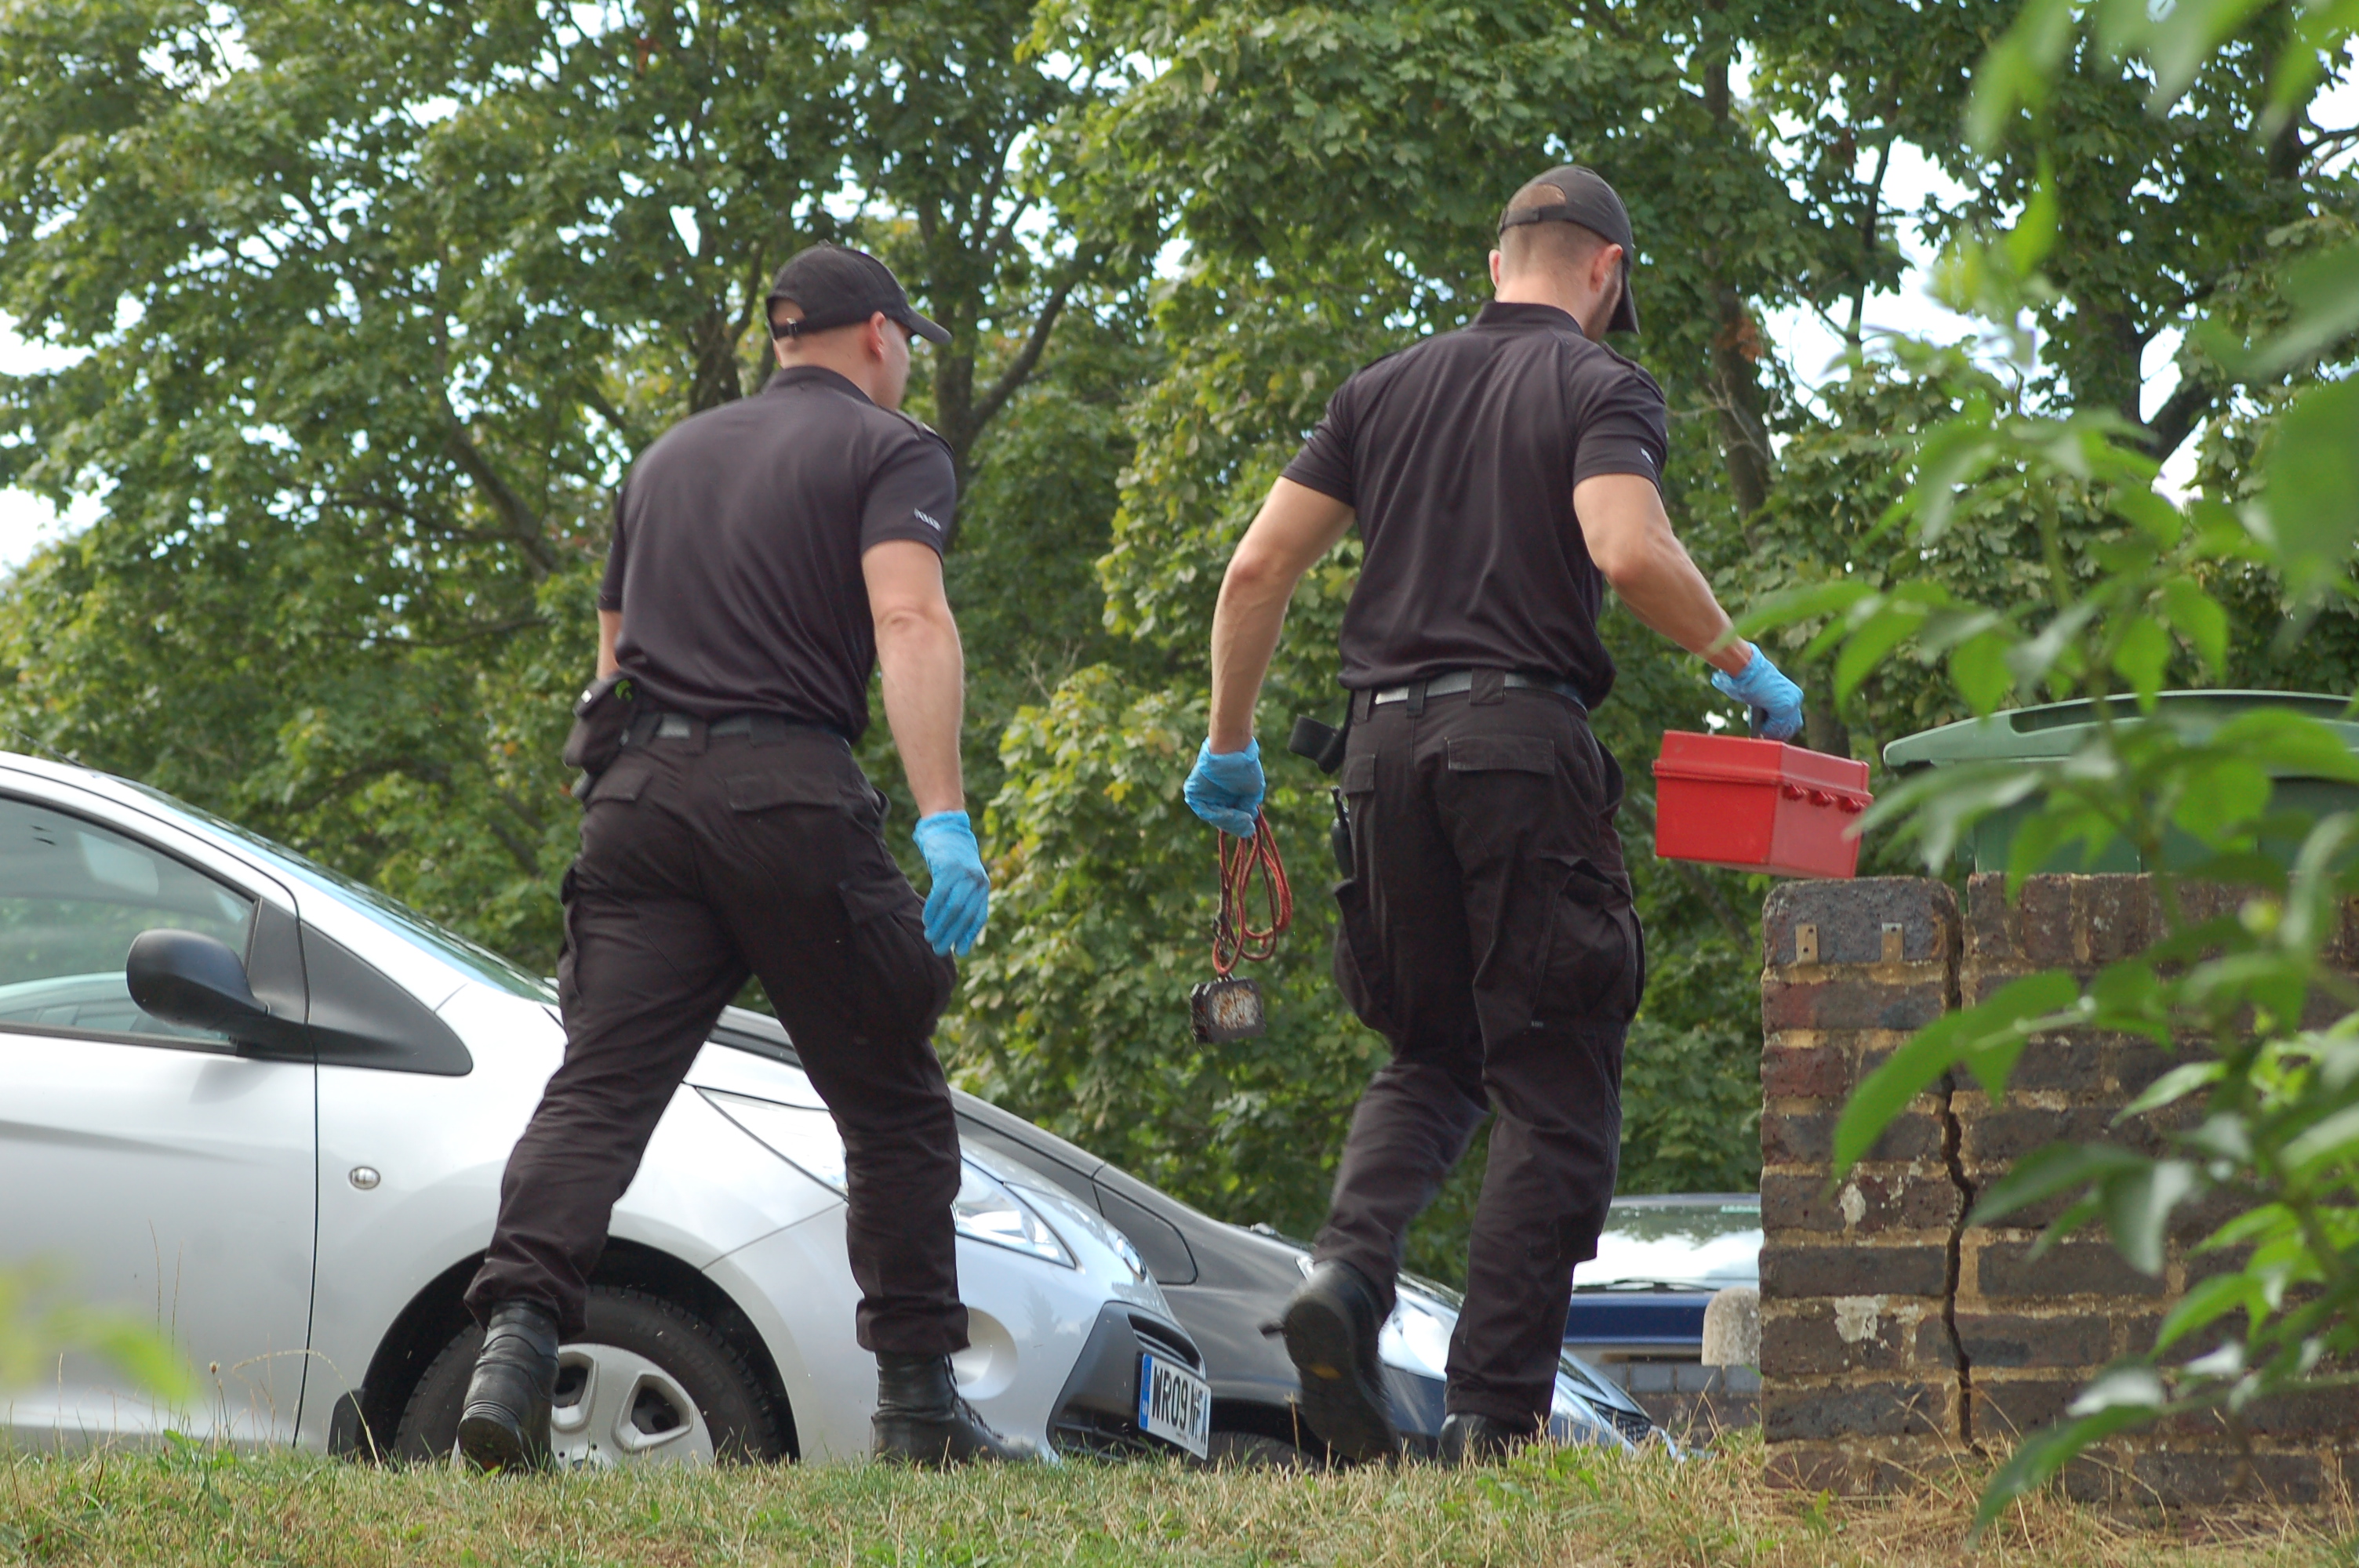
705, 859
1487, 933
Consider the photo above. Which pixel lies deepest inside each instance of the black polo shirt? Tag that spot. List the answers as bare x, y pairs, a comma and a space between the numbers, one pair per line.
1460, 455
737, 544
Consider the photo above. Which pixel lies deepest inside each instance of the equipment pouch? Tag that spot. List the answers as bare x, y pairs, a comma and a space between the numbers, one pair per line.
1322, 743
602, 721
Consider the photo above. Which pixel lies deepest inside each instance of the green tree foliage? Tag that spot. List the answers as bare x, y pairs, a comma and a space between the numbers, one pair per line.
379, 301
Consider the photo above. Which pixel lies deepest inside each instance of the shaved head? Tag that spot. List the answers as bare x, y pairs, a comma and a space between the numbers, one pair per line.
1561, 248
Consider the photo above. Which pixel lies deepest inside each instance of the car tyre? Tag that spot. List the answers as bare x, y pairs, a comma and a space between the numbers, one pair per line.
1254, 1450
642, 1363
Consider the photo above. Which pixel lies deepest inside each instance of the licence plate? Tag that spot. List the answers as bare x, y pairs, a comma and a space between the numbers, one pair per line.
1174, 1404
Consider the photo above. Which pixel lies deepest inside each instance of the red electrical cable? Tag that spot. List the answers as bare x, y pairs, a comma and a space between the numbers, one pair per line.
1235, 936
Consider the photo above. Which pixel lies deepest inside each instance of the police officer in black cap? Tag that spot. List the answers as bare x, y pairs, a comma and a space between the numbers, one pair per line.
1499, 476
769, 555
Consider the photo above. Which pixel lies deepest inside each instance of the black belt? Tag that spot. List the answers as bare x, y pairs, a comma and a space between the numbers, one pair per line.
1458, 681
762, 729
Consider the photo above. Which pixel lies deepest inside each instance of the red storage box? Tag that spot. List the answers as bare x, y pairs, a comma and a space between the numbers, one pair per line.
1757, 805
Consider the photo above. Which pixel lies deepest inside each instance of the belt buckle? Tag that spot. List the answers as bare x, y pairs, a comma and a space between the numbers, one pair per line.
675, 727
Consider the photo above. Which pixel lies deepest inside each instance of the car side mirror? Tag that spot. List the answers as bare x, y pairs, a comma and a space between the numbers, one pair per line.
196, 982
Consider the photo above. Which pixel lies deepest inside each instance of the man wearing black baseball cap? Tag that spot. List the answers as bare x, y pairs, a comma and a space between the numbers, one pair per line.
769, 555
1499, 477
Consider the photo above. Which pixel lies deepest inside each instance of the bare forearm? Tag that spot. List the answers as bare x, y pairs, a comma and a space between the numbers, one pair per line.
924, 685
1662, 587
1245, 626
609, 627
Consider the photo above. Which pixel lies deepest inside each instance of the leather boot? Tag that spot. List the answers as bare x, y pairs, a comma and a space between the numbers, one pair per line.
504, 1426
1330, 1332
1470, 1439
921, 1420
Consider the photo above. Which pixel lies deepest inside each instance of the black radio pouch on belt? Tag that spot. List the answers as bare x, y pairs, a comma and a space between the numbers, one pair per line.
602, 719
1323, 744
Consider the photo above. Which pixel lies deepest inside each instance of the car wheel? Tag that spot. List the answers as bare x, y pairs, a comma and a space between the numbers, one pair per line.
648, 1383
1252, 1451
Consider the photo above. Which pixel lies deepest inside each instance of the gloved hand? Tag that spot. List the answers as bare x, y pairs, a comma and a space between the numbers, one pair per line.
1775, 703
1225, 788
960, 900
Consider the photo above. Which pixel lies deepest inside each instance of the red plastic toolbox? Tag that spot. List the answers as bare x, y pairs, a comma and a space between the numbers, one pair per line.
1757, 805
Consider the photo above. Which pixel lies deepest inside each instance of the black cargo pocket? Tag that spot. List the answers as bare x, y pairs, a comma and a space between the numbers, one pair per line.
1359, 972
623, 782
1502, 754
900, 985
764, 792
1593, 970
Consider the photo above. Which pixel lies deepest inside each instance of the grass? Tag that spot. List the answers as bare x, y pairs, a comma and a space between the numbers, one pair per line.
194, 1504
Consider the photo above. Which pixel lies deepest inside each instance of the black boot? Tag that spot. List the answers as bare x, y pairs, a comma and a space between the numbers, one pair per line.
1330, 1332
1470, 1439
504, 1426
921, 1420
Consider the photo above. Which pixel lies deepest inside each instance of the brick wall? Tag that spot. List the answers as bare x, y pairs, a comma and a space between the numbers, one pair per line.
1895, 1338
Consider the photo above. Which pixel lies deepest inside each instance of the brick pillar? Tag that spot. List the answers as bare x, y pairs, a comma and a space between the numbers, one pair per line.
1894, 1337
1859, 1382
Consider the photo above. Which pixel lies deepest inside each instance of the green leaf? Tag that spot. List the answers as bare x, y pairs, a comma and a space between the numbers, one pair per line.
2199, 619
2016, 72
2043, 1455
1885, 631
2141, 657
2185, 36
2154, 517
1978, 668
2034, 234
2173, 1087
2044, 1173
1796, 605
2331, 1141
2206, 1303
2136, 1204
2311, 488
1986, 1037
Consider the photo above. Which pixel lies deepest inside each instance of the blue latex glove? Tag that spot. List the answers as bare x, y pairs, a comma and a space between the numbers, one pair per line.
1225, 788
960, 900
1773, 703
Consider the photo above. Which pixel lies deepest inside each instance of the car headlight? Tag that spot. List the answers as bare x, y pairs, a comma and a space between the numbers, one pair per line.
984, 1210
1416, 1338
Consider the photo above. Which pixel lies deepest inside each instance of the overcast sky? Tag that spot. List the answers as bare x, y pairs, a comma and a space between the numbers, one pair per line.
25, 520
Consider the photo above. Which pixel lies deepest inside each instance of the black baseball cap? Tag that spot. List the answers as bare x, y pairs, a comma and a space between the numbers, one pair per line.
1589, 201
836, 286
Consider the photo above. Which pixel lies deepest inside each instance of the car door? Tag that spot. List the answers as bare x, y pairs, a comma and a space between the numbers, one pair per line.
146, 1170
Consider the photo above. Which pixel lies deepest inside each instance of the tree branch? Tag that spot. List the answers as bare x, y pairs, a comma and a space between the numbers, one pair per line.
2177, 419
1020, 369
523, 524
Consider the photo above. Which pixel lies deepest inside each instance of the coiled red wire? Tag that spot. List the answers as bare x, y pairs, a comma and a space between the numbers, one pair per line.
1235, 936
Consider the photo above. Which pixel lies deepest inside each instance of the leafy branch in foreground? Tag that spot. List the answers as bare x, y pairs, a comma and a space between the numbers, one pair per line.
34, 1331
2271, 1106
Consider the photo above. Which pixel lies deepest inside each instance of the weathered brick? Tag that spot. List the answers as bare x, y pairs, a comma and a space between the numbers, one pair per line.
1790, 1273
2004, 1134
1845, 1002
2075, 1063
1998, 1340
2113, 916
1805, 1072
2040, 924
2009, 1407
2202, 1480
1898, 1408
1819, 1338
1870, 1202
1807, 1138
1850, 918
2316, 1412
2005, 1268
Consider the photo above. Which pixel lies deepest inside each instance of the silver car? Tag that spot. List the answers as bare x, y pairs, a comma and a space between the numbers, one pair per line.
280, 1137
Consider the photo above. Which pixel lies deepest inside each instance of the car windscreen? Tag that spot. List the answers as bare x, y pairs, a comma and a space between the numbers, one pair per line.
1706, 1243
468, 957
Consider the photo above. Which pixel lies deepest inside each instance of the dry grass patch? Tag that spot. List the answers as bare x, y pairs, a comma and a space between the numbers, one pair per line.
1568, 1507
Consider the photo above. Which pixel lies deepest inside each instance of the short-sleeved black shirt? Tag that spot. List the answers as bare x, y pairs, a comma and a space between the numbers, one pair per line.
1460, 455
737, 544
